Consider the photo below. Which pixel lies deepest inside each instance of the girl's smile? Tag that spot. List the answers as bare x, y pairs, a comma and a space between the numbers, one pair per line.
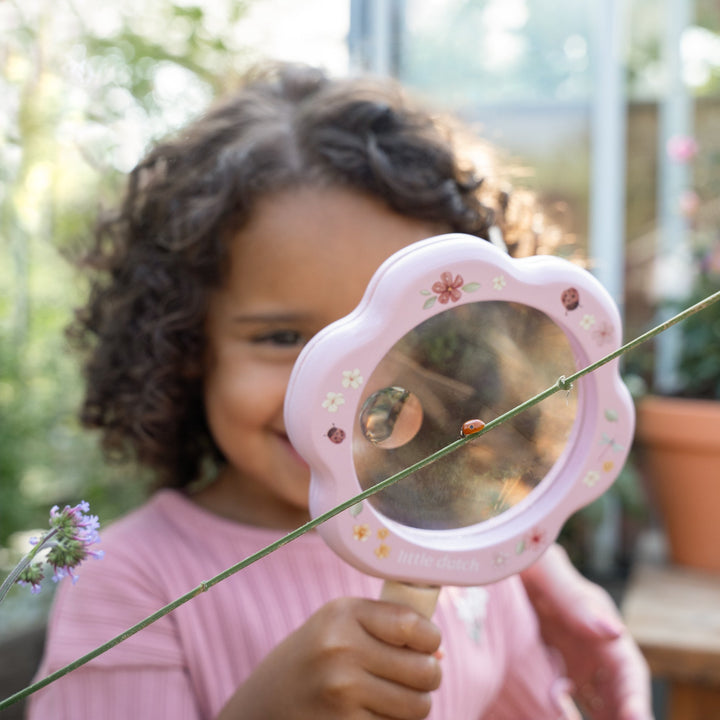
302, 262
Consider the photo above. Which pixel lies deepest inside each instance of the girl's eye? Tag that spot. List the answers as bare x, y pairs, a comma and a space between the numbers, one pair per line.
283, 338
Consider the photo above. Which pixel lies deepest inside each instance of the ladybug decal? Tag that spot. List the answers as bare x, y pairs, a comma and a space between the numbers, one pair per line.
336, 434
570, 298
471, 427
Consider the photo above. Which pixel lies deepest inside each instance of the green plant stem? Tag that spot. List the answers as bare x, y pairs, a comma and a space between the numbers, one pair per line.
563, 383
15, 573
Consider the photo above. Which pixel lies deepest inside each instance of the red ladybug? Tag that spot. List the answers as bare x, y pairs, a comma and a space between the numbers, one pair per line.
570, 298
471, 427
336, 434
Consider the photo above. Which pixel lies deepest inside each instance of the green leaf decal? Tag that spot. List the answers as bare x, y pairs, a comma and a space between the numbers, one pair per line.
429, 302
471, 287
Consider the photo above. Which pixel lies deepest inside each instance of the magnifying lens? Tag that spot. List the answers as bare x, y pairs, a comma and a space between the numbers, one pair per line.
452, 330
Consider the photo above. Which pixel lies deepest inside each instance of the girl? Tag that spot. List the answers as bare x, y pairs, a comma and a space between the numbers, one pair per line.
238, 241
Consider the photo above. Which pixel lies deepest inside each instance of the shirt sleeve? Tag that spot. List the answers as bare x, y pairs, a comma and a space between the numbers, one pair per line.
149, 693
144, 676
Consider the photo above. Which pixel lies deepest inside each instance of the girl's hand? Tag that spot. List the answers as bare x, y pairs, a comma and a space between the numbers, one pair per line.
353, 658
581, 621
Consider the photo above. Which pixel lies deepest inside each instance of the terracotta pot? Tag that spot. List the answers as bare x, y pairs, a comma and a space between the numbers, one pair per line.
679, 450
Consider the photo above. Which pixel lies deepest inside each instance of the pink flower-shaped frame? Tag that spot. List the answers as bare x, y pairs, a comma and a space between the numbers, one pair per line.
322, 406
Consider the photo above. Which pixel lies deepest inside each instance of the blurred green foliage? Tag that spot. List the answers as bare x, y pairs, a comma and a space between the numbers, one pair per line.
85, 87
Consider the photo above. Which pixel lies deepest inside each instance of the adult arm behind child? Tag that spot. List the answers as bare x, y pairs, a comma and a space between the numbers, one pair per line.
580, 620
353, 658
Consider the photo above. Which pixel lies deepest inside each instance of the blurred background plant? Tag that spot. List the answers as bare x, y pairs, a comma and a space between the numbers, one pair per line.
85, 86
686, 275
699, 360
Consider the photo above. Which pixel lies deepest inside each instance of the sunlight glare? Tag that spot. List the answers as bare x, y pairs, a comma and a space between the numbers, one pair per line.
701, 55
506, 14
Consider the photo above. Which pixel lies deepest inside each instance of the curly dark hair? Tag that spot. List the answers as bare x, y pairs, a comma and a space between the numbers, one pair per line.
159, 256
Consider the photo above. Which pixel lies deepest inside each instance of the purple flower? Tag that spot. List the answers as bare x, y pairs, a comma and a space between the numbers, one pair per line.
69, 541
72, 534
32, 576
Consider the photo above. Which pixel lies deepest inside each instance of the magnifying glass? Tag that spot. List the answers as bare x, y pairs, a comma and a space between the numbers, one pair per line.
453, 331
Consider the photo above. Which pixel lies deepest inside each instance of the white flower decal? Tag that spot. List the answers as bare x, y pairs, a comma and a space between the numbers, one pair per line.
499, 282
352, 378
471, 606
333, 401
591, 478
587, 322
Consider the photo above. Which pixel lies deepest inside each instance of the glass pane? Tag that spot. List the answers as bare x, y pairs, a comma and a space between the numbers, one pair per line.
521, 76
488, 52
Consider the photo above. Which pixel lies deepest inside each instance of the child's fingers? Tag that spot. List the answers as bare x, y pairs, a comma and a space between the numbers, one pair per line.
395, 688
406, 668
400, 626
388, 700
371, 656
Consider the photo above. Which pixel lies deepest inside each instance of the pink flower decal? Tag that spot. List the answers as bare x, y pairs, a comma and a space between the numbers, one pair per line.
603, 334
447, 288
535, 538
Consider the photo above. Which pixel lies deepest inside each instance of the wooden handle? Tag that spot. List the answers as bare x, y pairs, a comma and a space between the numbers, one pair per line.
421, 598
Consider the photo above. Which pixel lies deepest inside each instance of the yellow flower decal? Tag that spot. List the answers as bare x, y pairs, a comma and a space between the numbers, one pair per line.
382, 550
382, 533
361, 532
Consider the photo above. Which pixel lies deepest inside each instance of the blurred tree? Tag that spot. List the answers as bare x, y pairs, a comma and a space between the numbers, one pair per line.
84, 87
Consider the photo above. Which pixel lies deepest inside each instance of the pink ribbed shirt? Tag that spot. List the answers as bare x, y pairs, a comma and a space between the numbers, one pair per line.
186, 665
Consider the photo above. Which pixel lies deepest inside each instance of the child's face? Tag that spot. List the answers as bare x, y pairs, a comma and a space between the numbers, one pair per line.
302, 262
